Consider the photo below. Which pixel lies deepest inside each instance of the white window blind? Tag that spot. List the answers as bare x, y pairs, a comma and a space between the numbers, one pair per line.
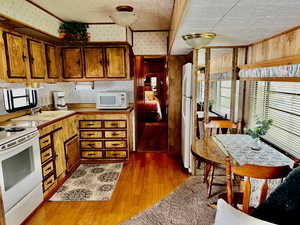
221, 97
279, 101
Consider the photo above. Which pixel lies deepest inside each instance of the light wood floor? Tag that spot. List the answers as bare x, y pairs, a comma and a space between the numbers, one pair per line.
145, 179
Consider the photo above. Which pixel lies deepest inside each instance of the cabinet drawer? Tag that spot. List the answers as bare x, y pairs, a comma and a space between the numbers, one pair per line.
49, 182
46, 155
115, 144
116, 154
115, 134
115, 124
91, 144
48, 168
90, 124
45, 141
91, 134
91, 154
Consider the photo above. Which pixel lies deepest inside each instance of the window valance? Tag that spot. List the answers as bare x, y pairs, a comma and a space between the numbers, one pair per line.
284, 71
221, 76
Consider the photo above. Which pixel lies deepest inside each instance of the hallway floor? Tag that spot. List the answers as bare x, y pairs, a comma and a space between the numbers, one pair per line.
153, 137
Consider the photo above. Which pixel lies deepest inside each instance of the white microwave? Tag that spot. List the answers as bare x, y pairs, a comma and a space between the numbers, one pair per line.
111, 100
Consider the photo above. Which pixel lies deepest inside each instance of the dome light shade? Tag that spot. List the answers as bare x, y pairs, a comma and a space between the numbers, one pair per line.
124, 16
198, 40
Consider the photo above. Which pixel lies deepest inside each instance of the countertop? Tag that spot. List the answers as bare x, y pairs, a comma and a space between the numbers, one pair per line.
41, 121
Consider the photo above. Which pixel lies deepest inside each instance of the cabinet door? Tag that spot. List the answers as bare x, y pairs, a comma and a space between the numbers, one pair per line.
36, 59
72, 153
94, 62
51, 62
116, 62
59, 153
15, 58
70, 127
72, 66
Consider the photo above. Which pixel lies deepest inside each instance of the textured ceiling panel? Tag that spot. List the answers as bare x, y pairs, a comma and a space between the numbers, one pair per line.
152, 14
237, 22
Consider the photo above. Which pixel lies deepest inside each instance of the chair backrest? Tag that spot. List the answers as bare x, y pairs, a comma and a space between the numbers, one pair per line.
252, 171
217, 127
227, 215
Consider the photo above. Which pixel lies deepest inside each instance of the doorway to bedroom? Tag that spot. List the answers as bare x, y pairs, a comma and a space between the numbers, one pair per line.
151, 103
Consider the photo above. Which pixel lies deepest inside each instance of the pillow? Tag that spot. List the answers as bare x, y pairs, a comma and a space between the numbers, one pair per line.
227, 215
283, 204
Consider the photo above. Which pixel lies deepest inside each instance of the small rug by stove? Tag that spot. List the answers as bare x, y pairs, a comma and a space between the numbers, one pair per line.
187, 205
90, 182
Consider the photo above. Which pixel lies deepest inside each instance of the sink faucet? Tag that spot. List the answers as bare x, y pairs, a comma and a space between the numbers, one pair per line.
35, 110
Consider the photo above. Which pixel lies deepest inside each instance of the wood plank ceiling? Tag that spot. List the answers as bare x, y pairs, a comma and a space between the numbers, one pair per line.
237, 22
152, 14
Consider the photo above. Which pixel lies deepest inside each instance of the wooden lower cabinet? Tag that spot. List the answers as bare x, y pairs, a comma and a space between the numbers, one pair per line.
92, 154
48, 159
108, 138
72, 153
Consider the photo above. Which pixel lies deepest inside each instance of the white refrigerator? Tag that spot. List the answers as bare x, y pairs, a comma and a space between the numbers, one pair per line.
186, 120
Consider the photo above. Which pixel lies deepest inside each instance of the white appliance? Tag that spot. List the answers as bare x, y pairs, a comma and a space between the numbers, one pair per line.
20, 173
186, 120
111, 100
59, 100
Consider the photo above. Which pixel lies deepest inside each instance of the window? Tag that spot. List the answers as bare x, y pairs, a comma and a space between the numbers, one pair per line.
19, 98
221, 93
279, 101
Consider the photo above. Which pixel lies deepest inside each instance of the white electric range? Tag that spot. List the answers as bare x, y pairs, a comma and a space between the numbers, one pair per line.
20, 172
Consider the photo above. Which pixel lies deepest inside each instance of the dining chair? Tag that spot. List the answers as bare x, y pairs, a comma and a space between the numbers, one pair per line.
247, 172
228, 215
212, 128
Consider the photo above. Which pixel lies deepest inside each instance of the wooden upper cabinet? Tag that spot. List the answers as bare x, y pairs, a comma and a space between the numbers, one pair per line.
72, 65
51, 62
94, 63
116, 62
36, 59
15, 57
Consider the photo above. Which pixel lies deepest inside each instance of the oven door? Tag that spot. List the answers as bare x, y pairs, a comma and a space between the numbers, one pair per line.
20, 171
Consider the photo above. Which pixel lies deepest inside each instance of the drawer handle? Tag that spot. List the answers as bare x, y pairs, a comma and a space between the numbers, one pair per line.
44, 142
49, 182
114, 134
91, 154
91, 145
90, 134
116, 154
48, 169
114, 124
48, 154
90, 124
115, 144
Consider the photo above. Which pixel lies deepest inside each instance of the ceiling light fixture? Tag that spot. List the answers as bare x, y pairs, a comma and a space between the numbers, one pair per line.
124, 16
198, 40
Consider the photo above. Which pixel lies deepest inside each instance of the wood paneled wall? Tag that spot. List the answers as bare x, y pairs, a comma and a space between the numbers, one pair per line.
223, 63
175, 64
177, 14
279, 46
139, 84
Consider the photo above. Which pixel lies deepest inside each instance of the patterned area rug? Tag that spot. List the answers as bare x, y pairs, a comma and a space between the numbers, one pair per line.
90, 182
187, 205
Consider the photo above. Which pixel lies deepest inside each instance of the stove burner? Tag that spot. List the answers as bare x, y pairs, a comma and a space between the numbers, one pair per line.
15, 129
